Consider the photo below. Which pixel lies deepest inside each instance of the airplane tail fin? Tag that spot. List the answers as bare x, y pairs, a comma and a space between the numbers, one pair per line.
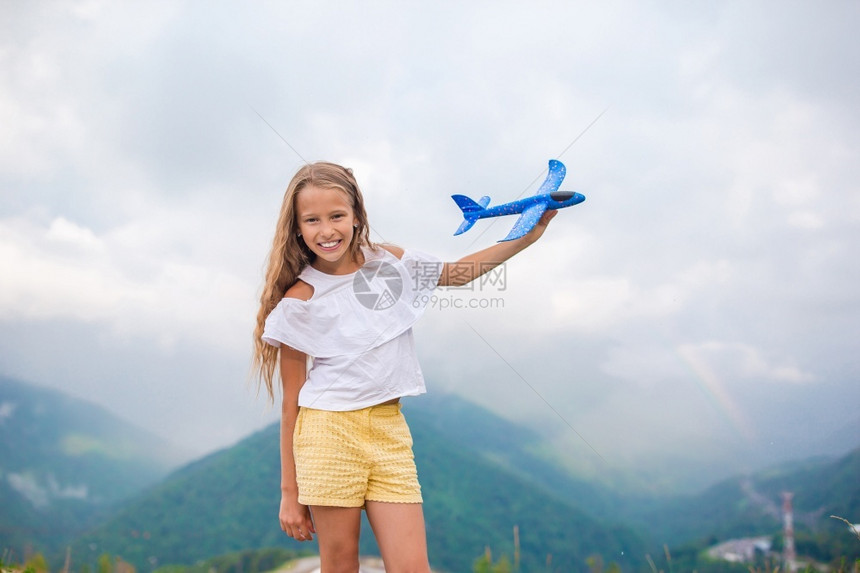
471, 210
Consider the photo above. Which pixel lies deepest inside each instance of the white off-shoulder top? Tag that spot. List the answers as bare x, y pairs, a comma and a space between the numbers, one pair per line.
358, 330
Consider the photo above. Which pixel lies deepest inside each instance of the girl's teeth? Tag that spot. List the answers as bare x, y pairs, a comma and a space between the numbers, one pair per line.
328, 245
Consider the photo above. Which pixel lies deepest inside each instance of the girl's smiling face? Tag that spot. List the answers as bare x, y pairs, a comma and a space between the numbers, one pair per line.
327, 222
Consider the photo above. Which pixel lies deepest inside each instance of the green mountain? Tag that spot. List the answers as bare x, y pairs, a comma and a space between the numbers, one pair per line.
64, 464
228, 501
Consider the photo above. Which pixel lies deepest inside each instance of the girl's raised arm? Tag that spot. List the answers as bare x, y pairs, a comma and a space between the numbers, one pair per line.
473, 266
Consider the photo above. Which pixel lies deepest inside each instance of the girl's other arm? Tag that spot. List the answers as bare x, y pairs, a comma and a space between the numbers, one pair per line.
295, 518
473, 266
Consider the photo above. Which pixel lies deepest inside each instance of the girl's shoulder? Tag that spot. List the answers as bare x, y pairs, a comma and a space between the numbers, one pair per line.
393, 249
410, 258
300, 290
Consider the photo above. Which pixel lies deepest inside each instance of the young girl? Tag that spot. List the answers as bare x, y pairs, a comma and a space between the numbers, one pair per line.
345, 445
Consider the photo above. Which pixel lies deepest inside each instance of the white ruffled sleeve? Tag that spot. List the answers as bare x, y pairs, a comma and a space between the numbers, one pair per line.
424, 271
278, 330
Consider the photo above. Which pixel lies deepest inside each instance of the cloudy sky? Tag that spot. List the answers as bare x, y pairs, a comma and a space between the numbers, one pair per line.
702, 306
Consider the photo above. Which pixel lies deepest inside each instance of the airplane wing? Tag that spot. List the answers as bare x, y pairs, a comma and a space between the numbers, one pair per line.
554, 178
527, 220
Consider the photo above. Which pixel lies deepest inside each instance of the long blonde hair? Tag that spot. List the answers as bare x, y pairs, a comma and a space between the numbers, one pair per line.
290, 254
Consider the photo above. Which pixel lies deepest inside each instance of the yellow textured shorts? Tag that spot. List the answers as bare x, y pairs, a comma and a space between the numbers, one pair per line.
346, 458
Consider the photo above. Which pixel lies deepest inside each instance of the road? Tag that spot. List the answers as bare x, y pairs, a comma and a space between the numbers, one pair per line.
312, 565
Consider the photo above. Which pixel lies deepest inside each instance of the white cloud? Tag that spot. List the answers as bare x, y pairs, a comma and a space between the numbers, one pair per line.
140, 189
130, 279
27, 485
7, 409
806, 220
646, 364
738, 361
40, 492
585, 302
732, 364
68, 233
41, 282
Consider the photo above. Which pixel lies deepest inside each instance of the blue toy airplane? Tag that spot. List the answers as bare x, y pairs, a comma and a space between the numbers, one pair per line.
547, 197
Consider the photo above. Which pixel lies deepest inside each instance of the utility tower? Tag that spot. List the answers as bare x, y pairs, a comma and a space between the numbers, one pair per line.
789, 556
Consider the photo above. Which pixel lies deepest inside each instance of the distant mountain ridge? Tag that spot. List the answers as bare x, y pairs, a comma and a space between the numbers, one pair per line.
64, 462
481, 476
